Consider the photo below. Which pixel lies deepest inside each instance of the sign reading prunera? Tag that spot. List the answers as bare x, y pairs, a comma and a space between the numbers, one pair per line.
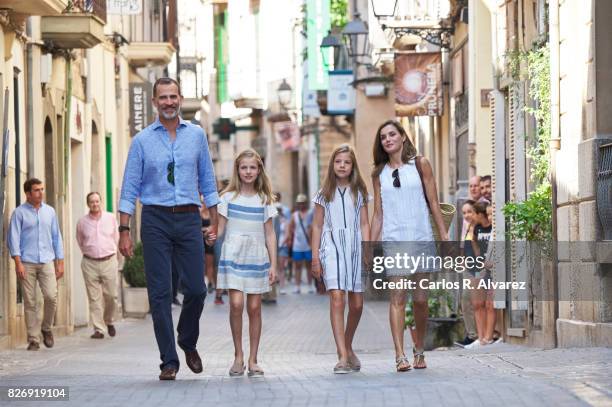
418, 84
140, 107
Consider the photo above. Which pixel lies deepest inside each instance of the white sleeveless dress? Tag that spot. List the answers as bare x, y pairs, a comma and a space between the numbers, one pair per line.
406, 224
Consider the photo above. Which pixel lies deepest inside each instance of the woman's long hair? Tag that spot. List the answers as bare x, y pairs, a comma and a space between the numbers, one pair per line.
355, 181
262, 183
381, 158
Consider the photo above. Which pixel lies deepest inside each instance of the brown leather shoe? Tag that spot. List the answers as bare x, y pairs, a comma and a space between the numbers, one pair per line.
111, 330
97, 335
33, 346
168, 373
193, 361
48, 338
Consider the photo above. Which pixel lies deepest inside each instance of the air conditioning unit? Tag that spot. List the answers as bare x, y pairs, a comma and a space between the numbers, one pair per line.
84, 67
46, 68
375, 90
464, 16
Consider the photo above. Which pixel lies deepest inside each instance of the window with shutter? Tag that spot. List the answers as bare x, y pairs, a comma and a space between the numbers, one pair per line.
516, 170
498, 187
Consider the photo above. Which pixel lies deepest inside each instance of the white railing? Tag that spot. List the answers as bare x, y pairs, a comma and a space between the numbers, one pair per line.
422, 11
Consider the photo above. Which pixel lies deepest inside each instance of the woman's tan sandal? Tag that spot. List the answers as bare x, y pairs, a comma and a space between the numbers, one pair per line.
236, 370
402, 364
342, 368
354, 363
255, 371
419, 359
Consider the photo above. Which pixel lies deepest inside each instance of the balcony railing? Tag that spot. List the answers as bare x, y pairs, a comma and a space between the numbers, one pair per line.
95, 7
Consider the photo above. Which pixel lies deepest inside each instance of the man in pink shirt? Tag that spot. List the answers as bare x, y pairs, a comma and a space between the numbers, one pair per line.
97, 236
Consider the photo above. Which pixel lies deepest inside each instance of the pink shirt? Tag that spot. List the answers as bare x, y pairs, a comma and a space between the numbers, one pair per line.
98, 238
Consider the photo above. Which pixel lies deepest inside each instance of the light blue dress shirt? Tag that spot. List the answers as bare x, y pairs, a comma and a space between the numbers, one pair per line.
34, 235
146, 169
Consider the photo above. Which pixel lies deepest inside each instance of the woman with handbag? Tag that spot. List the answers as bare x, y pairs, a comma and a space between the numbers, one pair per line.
404, 195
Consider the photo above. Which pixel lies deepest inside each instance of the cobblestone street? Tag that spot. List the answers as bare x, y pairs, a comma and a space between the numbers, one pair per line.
298, 354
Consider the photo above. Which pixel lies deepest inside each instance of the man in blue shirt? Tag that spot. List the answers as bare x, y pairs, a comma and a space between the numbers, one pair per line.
168, 167
35, 244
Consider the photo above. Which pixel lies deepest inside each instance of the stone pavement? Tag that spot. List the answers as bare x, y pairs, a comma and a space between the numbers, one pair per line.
298, 354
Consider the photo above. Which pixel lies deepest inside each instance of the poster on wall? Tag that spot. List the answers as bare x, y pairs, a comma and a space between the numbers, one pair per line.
287, 135
77, 116
418, 84
341, 94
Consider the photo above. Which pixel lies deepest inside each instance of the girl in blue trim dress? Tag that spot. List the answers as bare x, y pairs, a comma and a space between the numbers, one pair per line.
248, 256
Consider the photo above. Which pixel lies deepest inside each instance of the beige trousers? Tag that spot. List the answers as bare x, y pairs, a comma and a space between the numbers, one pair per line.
101, 284
468, 315
45, 275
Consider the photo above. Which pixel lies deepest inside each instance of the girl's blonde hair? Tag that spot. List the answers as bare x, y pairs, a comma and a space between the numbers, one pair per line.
262, 183
355, 180
381, 157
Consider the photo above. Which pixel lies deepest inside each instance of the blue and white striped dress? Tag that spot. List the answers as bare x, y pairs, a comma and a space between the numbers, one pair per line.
244, 263
340, 250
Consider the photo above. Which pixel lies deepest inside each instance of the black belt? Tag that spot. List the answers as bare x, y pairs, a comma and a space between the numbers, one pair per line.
177, 209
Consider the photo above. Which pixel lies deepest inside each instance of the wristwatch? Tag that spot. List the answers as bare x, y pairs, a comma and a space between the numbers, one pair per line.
123, 228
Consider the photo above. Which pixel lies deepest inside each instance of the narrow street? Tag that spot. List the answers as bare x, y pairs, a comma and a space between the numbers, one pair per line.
297, 354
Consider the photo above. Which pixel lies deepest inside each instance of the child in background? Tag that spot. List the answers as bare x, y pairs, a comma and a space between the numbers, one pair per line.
283, 249
339, 225
248, 255
298, 237
482, 299
209, 256
469, 322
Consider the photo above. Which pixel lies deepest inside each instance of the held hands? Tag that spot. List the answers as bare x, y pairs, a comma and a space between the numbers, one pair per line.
210, 235
126, 247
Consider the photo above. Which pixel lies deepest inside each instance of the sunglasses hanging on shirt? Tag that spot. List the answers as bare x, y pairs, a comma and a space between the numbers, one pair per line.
396, 178
171, 172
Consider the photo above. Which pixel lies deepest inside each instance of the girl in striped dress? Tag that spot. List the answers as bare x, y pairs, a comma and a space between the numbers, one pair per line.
248, 256
340, 223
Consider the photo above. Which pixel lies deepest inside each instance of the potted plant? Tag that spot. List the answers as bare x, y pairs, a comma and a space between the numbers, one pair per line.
135, 298
443, 327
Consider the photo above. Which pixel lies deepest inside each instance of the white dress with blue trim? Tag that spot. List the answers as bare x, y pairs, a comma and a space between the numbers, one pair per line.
244, 263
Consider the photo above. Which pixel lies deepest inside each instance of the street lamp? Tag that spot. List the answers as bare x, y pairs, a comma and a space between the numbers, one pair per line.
384, 8
284, 93
330, 41
356, 37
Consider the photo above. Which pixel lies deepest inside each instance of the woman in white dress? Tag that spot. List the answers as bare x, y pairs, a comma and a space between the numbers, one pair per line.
340, 223
401, 214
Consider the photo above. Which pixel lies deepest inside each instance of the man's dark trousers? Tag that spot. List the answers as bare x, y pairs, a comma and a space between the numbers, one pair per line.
173, 237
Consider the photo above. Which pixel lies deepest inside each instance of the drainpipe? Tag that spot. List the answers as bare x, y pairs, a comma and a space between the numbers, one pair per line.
555, 141
67, 108
30, 100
